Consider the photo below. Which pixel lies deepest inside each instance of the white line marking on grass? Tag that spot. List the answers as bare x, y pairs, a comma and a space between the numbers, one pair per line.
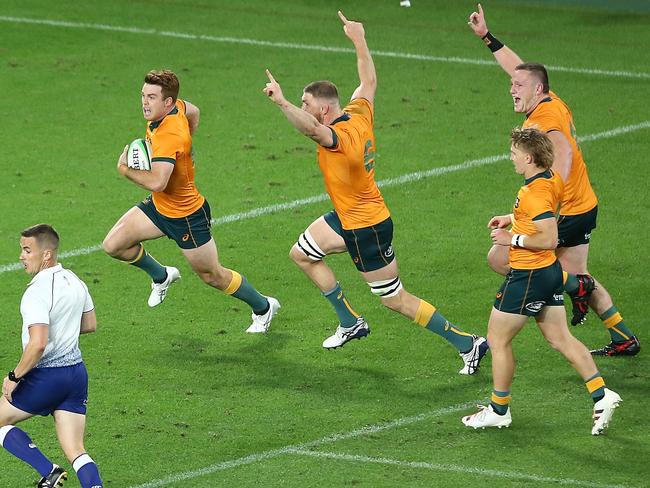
310, 47
453, 468
398, 180
262, 456
73, 253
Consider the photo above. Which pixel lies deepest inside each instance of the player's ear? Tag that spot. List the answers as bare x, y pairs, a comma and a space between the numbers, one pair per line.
47, 255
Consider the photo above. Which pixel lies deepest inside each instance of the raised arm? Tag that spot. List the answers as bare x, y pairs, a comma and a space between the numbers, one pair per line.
506, 57
366, 67
305, 122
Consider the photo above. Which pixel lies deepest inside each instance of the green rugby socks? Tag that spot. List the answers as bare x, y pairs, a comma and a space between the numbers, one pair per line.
428, 316
240, 288
147, 263
347, 316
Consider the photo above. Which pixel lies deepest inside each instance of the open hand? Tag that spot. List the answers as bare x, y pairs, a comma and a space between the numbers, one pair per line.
8, 388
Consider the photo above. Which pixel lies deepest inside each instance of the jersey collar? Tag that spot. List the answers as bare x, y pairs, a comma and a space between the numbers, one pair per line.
46, 272
342, 118
543, 100
548, 174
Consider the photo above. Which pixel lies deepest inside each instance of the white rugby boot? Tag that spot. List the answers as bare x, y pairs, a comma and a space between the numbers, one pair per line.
472, 358
261, 323
487, 417
159, 290
603, 411
345, 334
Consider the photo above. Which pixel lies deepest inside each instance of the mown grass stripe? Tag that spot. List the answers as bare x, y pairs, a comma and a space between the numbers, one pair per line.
398, 180
308, 47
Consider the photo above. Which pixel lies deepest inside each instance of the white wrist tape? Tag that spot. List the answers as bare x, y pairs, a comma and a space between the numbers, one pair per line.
517, 240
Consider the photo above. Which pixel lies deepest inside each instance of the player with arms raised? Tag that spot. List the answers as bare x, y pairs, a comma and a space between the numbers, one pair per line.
361, 222
546, 111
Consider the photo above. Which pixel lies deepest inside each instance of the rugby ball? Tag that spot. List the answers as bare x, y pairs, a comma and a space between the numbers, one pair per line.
138, 155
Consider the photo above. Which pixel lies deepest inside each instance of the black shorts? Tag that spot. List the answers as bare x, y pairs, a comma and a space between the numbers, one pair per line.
370, 247
189, 232
527, 291
574, 230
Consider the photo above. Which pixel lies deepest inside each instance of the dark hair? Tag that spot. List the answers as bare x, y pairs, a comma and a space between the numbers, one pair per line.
536, 143
323, 89
539, 71
166, 80
44, 234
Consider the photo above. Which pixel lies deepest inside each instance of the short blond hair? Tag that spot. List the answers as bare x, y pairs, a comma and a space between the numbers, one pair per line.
325, 90
536, 143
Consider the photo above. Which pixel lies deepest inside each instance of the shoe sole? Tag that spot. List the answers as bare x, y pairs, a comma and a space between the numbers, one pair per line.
351, 339
59, 483
602, 429
598, 352
485, 426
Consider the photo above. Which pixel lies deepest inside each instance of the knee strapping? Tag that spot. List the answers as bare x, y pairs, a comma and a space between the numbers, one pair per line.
386, 288
307, 244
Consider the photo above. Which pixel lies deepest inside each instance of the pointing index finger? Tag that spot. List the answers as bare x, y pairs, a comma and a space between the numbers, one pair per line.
342, 17
271, 79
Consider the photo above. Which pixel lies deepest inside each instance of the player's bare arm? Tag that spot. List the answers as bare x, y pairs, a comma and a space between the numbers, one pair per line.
154, 180
563, 154
365, 65
544, 238
506, 57
300, 119
193, 115
38, 337
88, 322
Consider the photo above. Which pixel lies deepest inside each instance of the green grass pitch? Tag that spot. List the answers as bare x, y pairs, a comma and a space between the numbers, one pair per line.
180, 395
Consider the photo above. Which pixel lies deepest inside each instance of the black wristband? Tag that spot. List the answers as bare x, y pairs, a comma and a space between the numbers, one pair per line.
492, 42
12, 377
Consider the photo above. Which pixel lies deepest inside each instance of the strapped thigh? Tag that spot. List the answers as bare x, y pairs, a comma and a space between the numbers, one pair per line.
386, 288
307, 244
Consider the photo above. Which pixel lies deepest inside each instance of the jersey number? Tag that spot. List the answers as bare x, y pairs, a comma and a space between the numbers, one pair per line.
368, 157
